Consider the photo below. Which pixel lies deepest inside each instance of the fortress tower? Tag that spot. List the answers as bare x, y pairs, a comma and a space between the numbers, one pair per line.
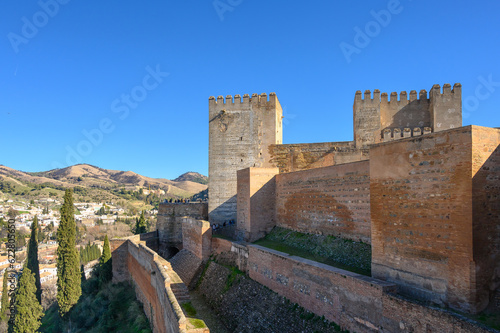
240, 133
381, 119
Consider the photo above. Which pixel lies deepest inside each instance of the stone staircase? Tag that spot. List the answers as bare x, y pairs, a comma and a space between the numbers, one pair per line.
186, 265
180, 291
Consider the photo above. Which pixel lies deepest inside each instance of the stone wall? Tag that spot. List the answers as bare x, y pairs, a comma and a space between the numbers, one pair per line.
240, 132
355, 302
427, 223
196, 237
402, 117
230, 253
304, 156
486, 214
169, 224
153, 279
333, 200
256, 202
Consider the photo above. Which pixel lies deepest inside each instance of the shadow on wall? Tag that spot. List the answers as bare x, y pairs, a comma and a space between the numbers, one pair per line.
415, 114
486, 231
224, 212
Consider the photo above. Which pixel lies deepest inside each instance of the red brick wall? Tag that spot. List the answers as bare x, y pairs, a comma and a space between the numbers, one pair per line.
355, 302
422, 215
196, 237
255, 202
332, 200
152, 277
220, 245
486, 212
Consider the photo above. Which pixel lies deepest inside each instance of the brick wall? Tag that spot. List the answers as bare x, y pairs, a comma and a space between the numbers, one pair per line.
355, 302
152, 277
486, 213
304, 156
169, 224
332, 200
196, 237
256, 202
424, 227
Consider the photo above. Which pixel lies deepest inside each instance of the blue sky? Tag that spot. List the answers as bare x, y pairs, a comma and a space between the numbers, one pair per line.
68, 67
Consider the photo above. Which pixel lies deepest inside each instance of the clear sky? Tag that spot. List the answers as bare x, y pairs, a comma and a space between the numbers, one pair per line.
125, 84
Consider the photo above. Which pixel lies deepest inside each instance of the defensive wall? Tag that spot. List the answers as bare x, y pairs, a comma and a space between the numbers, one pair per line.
428, 205
415, 184
333, 200
169, 224
435, 216
247, 133
157, 286
356, 302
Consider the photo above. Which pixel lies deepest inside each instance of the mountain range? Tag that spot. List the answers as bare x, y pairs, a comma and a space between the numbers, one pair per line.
92, 177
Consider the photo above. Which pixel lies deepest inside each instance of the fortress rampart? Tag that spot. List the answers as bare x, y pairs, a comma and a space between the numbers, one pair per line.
375, 116
333, 200
414, 183
156, 283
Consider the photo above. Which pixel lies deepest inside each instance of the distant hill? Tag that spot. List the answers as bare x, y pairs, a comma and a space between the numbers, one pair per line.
94, 178
192, 177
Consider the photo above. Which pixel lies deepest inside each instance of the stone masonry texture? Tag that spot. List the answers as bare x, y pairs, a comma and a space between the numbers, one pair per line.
332, 200
431, 233
240, 134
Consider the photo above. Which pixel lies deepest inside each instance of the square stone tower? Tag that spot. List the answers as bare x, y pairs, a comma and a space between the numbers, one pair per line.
381, 118
240, 133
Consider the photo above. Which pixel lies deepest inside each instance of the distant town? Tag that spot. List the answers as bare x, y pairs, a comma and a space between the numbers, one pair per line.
94, 220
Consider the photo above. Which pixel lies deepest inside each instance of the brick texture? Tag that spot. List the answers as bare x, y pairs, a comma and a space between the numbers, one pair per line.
332, 200
256, 202
424, 225
355, 302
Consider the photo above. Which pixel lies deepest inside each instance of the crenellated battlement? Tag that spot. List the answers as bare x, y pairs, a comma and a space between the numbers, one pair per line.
437, 109
238, 100
394, 97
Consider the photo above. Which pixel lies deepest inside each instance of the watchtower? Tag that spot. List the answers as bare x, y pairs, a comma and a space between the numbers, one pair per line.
380, 119
240, 132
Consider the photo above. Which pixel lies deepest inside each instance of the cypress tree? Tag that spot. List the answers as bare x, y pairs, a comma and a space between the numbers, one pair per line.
69, 288
29, 311
5, 297
106, 269
32, 261
140, 227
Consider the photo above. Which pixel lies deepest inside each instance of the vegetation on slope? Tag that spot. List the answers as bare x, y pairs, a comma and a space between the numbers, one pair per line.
330, 250
110, 308
244, 305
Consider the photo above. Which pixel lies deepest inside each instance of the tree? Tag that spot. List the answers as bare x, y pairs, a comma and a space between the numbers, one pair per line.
5, 297
29, 311
32, 262
140, 226
105, 266
69, 288
12, 213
